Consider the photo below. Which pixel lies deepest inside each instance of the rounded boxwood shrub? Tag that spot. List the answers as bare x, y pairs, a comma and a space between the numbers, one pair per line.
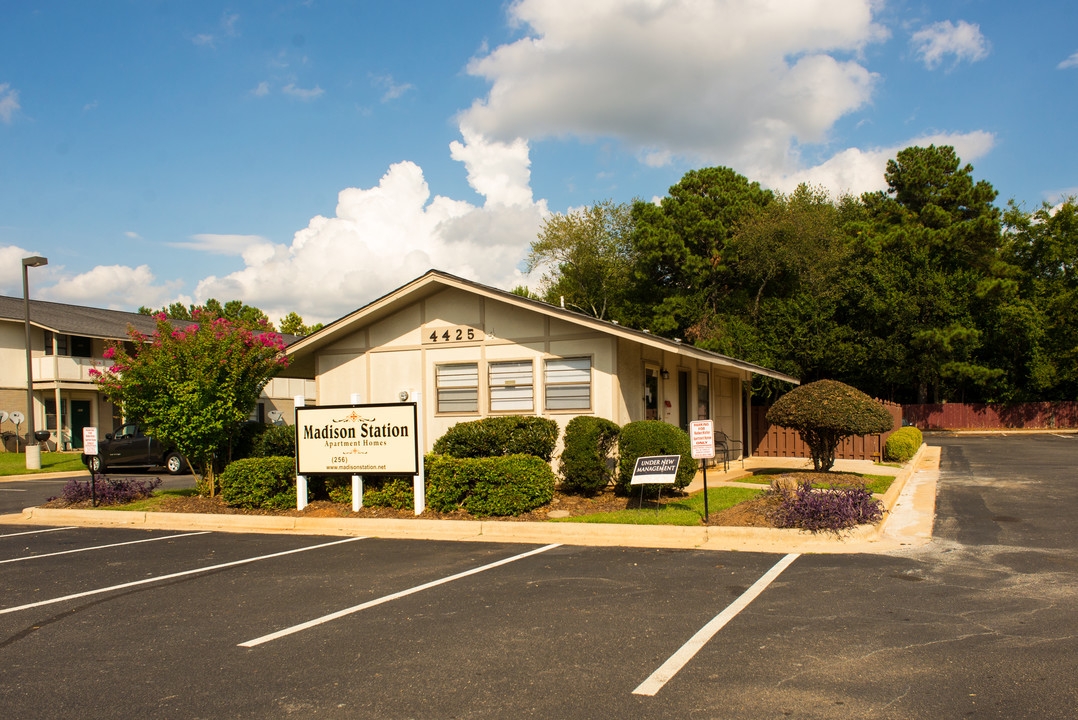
653, 437
902, 444
826, 412
500, 435
584, 459
268, 482
275, 441
507, 485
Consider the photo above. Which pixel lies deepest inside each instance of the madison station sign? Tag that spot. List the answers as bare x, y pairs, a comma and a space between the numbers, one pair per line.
357, 440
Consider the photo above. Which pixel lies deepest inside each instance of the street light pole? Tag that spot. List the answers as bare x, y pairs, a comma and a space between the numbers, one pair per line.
33, 450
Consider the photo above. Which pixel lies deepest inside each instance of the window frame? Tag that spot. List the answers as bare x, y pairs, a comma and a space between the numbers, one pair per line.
491, 386
438, 388
548, 385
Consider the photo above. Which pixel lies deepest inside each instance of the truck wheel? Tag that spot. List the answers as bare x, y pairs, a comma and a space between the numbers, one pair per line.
96, 466
174, 464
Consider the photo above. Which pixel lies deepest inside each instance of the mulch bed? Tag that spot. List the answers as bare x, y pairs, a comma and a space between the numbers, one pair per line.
752, 513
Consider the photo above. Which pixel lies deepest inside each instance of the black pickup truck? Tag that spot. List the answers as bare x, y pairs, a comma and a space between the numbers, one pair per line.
128, 447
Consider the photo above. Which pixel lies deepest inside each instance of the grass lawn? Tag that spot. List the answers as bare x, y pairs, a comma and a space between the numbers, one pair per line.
874, 483
15, 463
687, 511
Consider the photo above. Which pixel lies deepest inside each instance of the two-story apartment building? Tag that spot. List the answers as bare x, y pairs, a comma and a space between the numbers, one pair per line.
66, 341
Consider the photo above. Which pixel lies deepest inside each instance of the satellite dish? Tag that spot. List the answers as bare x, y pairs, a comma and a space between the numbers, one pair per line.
275, 416
17, 417
3, 415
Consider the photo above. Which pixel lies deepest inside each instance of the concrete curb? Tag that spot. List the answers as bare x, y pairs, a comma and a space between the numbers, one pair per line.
866, 538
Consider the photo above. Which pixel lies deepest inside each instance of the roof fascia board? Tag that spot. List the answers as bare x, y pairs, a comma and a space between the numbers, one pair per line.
436, 277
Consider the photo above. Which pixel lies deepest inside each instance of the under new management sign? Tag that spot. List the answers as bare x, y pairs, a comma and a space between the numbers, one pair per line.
357, 440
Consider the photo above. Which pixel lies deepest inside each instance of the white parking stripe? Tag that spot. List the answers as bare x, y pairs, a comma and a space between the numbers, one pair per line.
102, 547
678, 660
174, 575
35, 532
387, 598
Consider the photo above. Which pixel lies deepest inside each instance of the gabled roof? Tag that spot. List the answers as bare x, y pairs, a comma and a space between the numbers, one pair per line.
76, 319
435, 281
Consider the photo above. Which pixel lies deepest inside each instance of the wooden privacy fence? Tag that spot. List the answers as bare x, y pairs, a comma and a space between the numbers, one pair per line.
774, 441
1022, 416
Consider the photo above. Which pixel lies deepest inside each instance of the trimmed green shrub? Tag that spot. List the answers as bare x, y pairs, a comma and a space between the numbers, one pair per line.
653, 437
902, 444
500, 435
584, 459
393, 491
826, 412
275, 441
260, 483
508, 485
339, 488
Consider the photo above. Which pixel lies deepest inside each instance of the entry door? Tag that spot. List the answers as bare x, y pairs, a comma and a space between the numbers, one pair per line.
683, 396
80, 418
651, 393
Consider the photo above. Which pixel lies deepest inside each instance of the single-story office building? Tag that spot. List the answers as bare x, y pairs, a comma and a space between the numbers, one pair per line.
474, 351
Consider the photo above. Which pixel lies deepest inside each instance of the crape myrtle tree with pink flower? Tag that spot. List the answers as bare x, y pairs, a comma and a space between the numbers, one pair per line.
192, 387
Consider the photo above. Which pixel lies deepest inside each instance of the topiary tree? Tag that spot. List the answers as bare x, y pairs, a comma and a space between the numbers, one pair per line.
826, 412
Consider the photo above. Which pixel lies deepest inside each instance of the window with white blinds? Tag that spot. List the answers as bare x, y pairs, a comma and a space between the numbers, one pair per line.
567, 382
457, 387
511, 386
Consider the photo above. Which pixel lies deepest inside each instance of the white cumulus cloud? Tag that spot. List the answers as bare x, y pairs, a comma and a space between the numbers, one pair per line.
9, 103
963, 41
118, 287
384, 236
220, 244
734, 82
854, 171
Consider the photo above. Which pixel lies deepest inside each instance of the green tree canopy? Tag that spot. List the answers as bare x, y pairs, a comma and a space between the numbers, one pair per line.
682, 248
586, 256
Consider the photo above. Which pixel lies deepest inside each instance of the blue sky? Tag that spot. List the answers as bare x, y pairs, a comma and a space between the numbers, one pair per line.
310, 156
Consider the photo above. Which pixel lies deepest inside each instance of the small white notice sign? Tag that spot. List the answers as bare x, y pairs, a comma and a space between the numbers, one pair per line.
655, 469
702, 437
89, 440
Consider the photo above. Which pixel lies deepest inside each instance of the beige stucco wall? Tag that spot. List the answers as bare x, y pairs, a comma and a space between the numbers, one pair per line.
396, 354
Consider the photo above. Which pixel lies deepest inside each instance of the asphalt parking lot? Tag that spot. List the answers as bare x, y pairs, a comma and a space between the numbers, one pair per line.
979, 623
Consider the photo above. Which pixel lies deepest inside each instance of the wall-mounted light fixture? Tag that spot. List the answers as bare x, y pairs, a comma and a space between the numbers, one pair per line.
665, 374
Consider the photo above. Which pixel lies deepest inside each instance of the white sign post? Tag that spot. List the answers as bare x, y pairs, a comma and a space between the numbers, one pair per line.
301, 480
357, 480
702, 437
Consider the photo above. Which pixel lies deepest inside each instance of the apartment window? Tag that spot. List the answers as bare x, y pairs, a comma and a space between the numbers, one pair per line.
81, 347
60, 340
50, 413
68, 345
511, 386
567, 382
457, 387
